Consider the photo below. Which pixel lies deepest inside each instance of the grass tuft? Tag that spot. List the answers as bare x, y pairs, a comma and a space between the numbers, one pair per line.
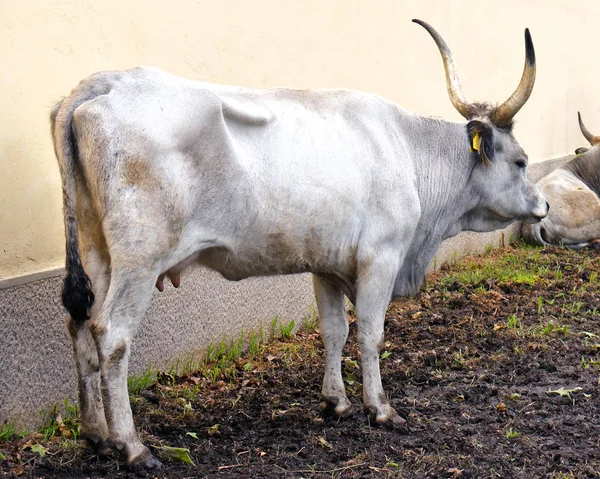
136, 383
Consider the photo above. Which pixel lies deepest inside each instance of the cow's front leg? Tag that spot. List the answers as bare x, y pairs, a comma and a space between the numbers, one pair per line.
334, 332
375, 286
126, 302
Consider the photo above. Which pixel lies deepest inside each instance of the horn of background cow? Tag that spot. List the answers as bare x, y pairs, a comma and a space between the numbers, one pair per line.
453, 83
594, 140
504, 114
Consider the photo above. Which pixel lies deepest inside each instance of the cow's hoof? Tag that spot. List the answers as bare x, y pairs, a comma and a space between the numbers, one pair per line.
144, 461
97, 444
340, 408
386, 416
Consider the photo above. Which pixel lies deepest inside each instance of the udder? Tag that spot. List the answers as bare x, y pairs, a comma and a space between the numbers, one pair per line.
174, 276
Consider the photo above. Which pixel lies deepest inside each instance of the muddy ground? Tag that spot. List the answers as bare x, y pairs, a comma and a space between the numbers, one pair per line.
495, 365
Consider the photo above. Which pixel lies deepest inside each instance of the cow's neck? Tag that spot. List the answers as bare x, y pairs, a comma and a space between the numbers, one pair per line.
443, 165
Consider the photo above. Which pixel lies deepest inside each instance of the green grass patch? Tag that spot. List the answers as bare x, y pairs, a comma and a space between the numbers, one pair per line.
511, 268
513, 322
136, 383
61, 421
551, 328
287, 330
9, 431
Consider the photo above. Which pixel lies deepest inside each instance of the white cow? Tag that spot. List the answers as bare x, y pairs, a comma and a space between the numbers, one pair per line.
573, 192
159, 172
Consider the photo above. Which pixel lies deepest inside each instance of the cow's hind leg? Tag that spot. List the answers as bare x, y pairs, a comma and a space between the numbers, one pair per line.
93, 422
126, 302
334, 331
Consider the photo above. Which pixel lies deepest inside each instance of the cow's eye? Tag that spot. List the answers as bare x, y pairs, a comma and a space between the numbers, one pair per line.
520, 164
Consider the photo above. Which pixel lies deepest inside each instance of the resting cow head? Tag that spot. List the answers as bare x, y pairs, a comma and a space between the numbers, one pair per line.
573, 191
499, 163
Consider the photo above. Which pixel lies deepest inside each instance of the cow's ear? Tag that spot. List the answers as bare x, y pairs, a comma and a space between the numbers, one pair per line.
481, 139
580, 151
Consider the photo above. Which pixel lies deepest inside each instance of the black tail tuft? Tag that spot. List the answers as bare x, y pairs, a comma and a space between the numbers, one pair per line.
77, 295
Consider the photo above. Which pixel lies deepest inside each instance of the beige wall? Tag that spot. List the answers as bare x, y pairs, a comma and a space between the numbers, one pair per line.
47, 46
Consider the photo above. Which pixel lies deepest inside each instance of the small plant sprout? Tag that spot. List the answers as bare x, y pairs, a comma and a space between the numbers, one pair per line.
274, 326
234, 402
254, 345
564, 329
287, 330
588, 335
573, 307
513, 322
459, 359
311, 322
511, 434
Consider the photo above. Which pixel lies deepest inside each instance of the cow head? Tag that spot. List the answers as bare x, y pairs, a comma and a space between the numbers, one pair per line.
498, 177
573, 190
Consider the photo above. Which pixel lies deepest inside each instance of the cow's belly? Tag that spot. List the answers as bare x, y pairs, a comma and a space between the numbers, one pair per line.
235, 267
278, 254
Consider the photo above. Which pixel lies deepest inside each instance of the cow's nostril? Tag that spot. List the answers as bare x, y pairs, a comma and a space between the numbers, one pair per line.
547, 207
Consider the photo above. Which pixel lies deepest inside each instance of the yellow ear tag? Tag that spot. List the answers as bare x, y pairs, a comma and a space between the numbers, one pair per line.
476, 142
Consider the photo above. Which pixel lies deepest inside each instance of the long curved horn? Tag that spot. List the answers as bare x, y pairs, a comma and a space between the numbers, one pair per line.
505, 112
452, 82
594, 140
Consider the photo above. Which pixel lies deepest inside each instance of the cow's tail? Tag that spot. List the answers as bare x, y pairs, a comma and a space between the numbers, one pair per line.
77, 295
